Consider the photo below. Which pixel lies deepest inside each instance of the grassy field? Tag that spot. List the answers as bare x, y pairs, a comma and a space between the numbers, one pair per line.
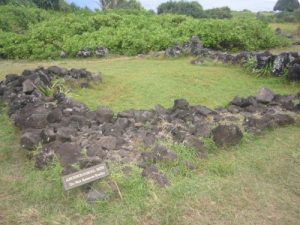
143, 83
256, 182
290, 28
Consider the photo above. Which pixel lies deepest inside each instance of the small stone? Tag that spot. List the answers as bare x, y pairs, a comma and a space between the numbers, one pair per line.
28, 86
29, 140
161, 153
151, 172
265, 96
108, 142
227, 135
202, 110
181, 104
48, 136
54, 116
104, 115
94, 196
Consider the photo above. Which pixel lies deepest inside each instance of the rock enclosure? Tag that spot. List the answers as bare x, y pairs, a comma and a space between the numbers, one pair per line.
81, 138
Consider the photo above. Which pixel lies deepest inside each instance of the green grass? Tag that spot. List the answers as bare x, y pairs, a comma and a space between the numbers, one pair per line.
290, 28
143, 83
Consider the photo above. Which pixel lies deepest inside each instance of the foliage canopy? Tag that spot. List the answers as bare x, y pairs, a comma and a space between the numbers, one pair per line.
286, 5
193, 8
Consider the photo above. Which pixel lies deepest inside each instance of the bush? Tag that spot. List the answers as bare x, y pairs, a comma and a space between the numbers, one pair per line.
288, 17
218, 13
127, 33
193, 9
17, 19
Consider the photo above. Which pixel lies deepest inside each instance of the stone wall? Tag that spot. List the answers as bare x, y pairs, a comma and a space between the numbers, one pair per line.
286, 63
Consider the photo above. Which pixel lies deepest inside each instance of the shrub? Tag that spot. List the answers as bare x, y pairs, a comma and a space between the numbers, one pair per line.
218, 13
126, 32
17, 19
193, 9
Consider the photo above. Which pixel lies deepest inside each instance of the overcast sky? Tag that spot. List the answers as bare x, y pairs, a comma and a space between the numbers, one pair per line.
253, 5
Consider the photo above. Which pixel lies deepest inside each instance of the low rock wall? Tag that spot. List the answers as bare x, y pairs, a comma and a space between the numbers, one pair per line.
78, 136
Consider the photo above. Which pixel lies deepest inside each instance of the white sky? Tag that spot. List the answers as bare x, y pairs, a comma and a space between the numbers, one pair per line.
253, 5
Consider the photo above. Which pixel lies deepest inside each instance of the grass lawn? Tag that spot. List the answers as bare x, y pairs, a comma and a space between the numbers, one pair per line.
256, 182
290, 28
143, 83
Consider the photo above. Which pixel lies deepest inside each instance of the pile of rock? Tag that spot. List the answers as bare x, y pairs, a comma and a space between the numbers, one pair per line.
286, 62
193, 47
100, 52
80, 137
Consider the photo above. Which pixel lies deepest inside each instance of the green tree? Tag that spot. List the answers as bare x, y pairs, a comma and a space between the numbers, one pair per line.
286, 5
130, 4
219, 13
47, 4
3, 2
120, 4
193, 9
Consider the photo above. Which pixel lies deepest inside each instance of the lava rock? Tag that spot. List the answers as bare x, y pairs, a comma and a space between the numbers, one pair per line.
104, 115
283, 119
161, 153
94, 196
227, 135
44, 158
202, 110
47, 136
65, 134
282, 61
29, 140
294, 70
196, 46
28, 86
181, 104
265, 96
108, 142
68, 153
257, 125
151, 172
264, 59
174, 51
55, 116
55, 70
84, 53
101, 52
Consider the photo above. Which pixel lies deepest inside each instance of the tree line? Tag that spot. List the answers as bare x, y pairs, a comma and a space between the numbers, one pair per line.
182, 7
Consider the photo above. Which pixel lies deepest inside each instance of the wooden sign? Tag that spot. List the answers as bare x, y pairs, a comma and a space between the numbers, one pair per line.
84, 176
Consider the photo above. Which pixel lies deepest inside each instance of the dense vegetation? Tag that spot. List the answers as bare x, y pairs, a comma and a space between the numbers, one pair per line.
59, 5
120, 4
38, 34
280, 17
193, 9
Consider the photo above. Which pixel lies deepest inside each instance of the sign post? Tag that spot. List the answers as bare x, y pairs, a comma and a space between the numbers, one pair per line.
84, 176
